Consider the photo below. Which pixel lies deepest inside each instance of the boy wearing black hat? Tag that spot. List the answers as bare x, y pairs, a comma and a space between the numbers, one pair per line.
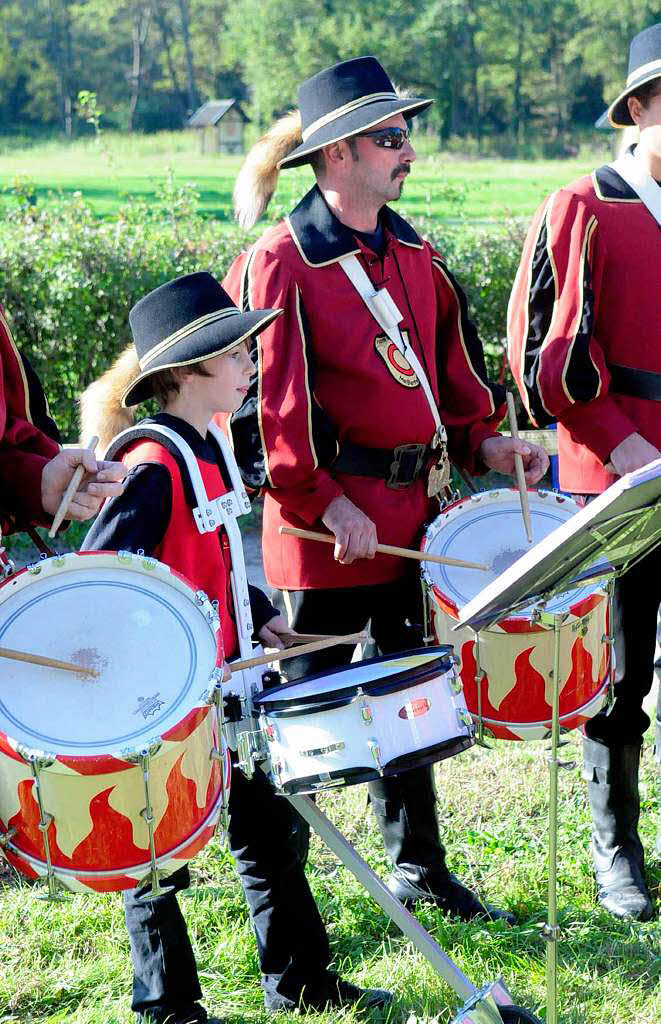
191, 354
584, 331
371, 375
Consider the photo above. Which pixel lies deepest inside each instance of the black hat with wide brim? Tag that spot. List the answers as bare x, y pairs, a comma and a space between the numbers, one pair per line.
186, 321
341, 101
644, 66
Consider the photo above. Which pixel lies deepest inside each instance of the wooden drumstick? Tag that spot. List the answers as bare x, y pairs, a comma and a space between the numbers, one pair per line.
303, 638
388, 549
520, 474
70, 491
39, 659
318, 645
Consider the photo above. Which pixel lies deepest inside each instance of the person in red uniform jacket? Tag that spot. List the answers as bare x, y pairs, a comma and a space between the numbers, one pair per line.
34, 469
192, 344
584, 331
337, 428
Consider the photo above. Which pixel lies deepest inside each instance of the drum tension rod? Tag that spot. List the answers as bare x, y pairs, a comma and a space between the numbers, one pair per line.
154, 876
217, 752
45, 821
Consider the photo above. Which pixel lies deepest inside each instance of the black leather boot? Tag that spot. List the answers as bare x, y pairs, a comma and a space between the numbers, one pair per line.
617, 852
405, 809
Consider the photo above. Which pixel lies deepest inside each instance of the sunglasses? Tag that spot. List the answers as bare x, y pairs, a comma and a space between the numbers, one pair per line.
388, 138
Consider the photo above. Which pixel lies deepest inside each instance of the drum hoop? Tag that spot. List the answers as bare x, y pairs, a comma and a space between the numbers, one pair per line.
344, 695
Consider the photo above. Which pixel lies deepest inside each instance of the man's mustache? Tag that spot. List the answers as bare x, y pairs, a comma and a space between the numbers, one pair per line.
402, 169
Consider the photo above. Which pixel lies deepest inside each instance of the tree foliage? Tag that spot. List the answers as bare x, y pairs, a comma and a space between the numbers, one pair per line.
494, 67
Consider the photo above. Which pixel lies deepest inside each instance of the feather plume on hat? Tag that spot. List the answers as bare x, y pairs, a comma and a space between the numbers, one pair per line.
258, 176
101, 411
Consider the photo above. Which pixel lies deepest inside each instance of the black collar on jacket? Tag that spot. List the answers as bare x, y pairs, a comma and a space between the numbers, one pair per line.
322, 239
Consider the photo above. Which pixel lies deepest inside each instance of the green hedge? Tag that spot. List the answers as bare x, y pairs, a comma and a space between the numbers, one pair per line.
68, 280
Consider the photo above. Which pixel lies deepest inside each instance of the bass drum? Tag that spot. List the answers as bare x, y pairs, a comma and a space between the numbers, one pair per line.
75, 749
506, 669
372, 718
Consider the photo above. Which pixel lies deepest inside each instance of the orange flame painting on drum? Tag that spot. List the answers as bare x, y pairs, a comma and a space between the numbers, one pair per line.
74, 750
506, 668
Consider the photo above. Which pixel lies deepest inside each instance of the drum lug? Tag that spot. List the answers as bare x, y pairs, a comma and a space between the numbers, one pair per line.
375, 751
456, 684
465, 718
366, 712
6, 837
218, 753
251, 749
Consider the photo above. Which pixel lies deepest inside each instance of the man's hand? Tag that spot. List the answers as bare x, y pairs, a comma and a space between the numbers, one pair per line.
102, 480
355, 533
632, 453
270, 632
498, 453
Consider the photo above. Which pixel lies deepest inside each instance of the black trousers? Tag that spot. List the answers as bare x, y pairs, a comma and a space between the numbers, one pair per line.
405, 804
291, 938
637, 600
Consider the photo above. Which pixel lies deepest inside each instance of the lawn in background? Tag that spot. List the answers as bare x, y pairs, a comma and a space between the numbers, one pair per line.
441, 186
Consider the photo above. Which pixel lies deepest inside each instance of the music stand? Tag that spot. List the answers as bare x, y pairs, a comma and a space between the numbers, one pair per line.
601, 541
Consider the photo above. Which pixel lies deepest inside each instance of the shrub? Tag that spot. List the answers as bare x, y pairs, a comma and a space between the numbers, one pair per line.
68, 279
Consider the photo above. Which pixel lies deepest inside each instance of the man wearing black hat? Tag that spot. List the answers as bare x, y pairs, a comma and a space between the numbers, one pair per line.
585, 347
372, 374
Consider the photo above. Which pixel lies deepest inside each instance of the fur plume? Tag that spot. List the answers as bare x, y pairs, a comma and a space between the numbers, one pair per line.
101, 411
258, 176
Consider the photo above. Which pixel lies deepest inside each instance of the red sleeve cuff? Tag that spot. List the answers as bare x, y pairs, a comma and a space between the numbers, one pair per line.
600, 425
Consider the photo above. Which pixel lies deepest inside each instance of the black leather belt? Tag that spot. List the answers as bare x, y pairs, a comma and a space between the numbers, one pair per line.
399, 467
636, 383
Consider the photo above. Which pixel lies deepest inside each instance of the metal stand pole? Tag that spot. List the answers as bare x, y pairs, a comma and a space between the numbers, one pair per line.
551, 932
480, 1005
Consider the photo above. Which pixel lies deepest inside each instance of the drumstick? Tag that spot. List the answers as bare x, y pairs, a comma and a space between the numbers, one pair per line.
518, 463
303, 638
318, 645
39, 659
388, 549
70, 491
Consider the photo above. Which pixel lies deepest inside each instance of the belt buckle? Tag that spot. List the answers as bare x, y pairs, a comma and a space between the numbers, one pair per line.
399, 453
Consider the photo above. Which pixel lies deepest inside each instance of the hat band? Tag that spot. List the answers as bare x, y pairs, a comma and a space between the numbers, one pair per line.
362, 101
644, 69
183, 332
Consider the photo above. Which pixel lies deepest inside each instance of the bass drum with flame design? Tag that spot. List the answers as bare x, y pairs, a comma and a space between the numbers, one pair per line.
86, 761
506, 669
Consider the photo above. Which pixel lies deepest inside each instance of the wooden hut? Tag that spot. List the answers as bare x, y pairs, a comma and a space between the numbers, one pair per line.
221, 125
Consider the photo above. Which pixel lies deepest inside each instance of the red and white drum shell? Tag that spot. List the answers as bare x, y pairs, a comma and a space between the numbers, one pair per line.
506, 669
154, 643
376, 717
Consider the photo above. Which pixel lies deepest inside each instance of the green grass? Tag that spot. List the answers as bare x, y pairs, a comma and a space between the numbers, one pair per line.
70, 962
441, 186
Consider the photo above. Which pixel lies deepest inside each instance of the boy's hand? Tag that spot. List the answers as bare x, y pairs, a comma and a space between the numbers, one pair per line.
270, 632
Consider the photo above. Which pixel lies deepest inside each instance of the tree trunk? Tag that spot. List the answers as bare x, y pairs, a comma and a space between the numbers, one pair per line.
190, 70
166, 37
139, 33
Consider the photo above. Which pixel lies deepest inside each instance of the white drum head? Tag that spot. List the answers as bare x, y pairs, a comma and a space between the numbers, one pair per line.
488, 528
153, 646
364, 675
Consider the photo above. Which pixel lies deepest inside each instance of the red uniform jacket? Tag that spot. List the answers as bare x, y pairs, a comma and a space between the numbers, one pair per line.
327, 374
587, 296
24, 446
199, 557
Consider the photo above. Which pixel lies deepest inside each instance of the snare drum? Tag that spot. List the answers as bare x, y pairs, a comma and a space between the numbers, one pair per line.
506, 669
371, 718
88, 760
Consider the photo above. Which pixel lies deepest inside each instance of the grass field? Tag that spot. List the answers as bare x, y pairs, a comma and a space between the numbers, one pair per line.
445, 187
70, 962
